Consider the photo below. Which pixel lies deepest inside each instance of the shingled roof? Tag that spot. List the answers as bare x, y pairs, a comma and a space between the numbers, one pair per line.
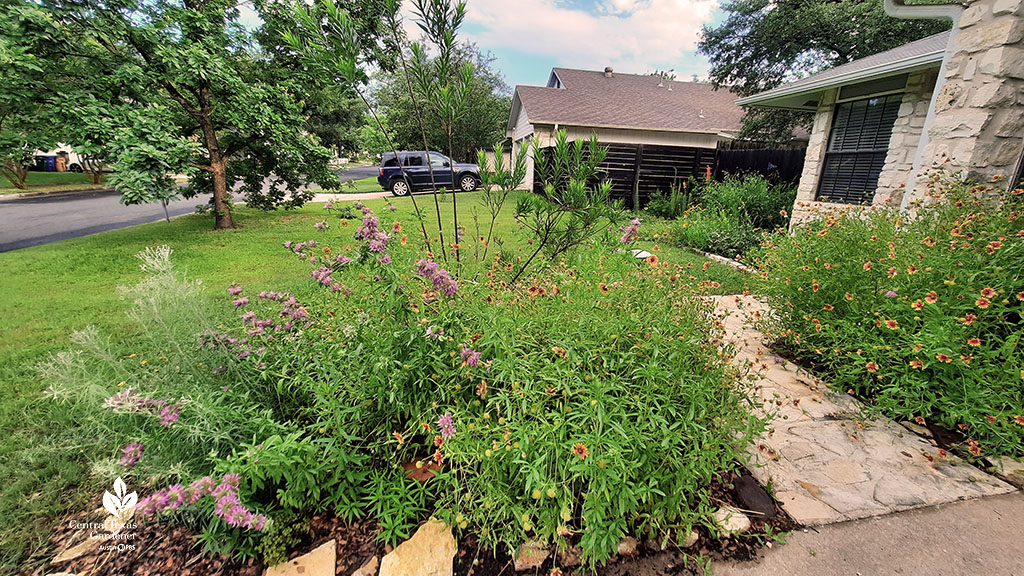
804, 93
589, 98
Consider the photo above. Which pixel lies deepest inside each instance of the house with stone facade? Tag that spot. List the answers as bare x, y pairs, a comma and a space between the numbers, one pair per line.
882, 123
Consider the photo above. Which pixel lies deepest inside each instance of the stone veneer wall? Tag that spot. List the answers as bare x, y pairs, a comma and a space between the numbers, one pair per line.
978, 120
906, 135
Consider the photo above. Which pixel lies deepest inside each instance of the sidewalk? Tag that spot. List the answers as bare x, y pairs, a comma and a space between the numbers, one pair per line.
828, 463
979, 537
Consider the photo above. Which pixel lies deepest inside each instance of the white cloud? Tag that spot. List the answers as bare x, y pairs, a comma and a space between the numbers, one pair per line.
631, 35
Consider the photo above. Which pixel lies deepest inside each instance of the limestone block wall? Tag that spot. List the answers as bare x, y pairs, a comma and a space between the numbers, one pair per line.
978, 119
805, 207
906, 135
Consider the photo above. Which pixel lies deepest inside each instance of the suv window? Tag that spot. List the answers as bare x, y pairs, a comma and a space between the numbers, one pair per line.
414, 160
390, 162
437, 159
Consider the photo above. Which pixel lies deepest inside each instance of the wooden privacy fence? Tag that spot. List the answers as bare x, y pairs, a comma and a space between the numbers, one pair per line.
638, 171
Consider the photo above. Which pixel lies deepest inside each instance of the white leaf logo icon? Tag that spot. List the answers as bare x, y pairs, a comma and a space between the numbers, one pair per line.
120, 505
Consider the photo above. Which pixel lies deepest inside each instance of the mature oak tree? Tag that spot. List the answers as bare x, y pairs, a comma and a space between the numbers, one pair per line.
765, 43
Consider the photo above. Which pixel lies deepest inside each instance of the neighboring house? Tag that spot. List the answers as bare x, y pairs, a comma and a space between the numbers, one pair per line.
882, 123
658, 132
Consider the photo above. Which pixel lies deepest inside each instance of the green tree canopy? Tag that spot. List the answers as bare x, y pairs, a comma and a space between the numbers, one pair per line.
765, 43
487, 108
29, 41
183, 85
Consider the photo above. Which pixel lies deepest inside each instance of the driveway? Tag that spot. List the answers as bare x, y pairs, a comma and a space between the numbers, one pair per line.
43, 219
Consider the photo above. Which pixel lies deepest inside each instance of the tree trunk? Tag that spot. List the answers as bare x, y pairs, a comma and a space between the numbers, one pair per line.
218, 165
16, 173
93, 169
221, 208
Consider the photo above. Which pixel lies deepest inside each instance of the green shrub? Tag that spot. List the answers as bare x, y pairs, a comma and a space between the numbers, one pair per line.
672, 205
920, 315
715, 231
751, 198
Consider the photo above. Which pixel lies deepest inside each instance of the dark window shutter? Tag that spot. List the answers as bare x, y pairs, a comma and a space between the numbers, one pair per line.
857, 147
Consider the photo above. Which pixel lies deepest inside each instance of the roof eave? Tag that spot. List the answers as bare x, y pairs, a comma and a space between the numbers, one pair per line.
777, 97
638, 128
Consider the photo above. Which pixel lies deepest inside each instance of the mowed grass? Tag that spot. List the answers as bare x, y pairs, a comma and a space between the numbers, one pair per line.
361, 186
49, 182
51, 290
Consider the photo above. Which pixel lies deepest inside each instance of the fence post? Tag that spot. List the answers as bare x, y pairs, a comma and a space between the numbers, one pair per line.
636, 175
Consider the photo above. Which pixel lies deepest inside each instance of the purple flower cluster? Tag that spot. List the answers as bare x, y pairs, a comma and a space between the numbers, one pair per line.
291, 311
323, 276
469, 356
299, 249
329, 205
631, 232
321, 226
224, 493
131, 454
435, 332
130, 401
243, 301
235, 290
439, 277
891, 294
376, 239
446, 424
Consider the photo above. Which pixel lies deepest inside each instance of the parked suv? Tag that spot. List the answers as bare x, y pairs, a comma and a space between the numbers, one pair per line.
417, 173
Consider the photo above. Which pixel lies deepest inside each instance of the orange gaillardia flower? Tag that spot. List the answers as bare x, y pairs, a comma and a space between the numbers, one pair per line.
892, 325
988, 292
982, 302
849, 296
943, 358
932, 297
1019, 420
871, 366
580, 449
915, 363
918, 305
974, 341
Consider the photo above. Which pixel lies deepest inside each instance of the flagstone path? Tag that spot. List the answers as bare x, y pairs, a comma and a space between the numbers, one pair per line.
825, 463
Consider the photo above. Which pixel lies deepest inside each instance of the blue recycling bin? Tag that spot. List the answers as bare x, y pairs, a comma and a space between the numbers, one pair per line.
51, 163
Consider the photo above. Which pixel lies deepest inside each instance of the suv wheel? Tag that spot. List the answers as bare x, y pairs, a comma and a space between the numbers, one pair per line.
467, 183
400, 187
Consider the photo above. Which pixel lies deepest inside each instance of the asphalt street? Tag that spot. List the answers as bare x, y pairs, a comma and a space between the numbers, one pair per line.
43, 219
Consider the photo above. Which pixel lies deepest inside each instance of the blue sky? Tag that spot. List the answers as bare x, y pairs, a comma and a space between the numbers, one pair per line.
529, 37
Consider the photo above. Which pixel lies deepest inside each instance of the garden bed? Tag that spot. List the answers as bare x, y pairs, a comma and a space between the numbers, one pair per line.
165, 546
675, 272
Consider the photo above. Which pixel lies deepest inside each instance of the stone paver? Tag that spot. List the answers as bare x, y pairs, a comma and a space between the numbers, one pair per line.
319, 562
430, 552
825, 463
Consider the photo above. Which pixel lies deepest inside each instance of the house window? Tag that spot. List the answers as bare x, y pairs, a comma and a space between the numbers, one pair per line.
857, 148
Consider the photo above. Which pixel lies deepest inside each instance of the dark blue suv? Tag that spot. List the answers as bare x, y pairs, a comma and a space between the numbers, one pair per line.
417, 167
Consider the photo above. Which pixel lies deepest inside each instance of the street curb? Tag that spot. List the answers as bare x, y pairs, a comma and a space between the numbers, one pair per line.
71, 191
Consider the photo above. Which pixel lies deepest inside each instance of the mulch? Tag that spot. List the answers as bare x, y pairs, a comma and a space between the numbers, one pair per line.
163, 547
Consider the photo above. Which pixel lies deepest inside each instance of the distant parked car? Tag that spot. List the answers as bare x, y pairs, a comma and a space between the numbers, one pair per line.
417, 173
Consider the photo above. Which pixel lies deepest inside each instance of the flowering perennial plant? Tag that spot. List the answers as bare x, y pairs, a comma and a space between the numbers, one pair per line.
920, 314
224, 494
130, 401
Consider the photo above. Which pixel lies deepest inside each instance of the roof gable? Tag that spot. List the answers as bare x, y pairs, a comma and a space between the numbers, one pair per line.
630, 101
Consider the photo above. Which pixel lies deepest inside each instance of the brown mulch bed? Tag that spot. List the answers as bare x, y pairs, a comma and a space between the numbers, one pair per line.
163, 547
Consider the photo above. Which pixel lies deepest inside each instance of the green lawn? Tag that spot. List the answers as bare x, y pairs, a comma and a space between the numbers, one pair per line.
53, 289
49, 182
356, 187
